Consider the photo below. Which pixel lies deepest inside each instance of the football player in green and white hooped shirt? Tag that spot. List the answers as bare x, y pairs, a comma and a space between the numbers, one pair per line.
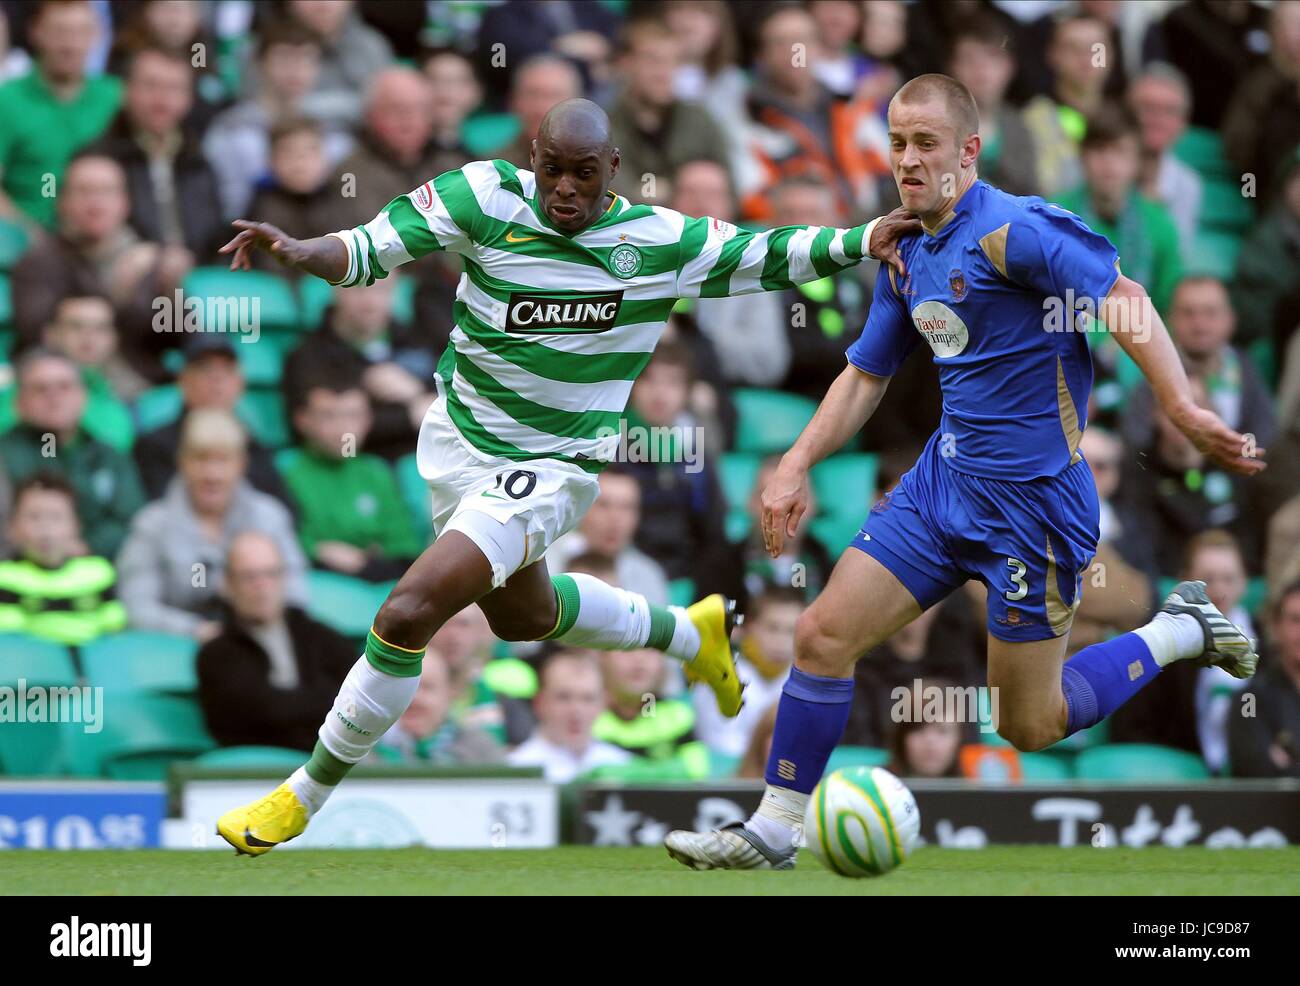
566, 290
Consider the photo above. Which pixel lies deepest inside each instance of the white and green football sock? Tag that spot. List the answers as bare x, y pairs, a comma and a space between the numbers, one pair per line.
592, 613
373, 696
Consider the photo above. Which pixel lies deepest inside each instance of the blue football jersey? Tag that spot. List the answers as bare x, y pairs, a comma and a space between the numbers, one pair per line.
996, 293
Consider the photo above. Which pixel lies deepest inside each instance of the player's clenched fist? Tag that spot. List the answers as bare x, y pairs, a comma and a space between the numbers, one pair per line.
785, 500
270, 238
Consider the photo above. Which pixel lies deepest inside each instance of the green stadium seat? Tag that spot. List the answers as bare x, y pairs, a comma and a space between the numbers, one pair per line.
1224, 208
7, 337
1264, 357
737, 473
262, 361
345, 603
141, 661
6, 303
836, 531
157, 406
1138, 762
33, 749
483, 133
1214, 253
681, 592
314, 297
277, 307
1084, 739
1045, 767
769, 421
416, 495
856, 756
845, 487
13, 243
253, 757
262, 411
142, 736
1202, 149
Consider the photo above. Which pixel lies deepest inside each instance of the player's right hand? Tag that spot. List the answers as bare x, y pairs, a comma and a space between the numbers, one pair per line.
1217, 441
785, 500
270, 238
888, 231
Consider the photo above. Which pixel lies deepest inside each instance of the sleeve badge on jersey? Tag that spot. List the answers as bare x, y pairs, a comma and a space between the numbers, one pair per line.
423, 197
721, 230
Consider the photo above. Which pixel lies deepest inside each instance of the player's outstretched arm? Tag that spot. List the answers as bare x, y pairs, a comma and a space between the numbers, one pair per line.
323, 256
1130, 314
849, 402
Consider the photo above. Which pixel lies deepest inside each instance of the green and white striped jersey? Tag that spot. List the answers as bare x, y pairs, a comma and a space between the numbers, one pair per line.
552, 328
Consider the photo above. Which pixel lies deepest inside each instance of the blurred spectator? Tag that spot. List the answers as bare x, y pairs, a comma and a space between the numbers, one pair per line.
539, 83
569, 700
655, 131
14, 59
49, 437
707, 73
578, 31
465, 643
297, 194
805, 129
803, 564
1282, 556
83, 330
352, 54
172, 565
839, 27
1215, 44
1162, 103
747, 332
607, 529
351, 518
426, 734
982, 57
1266, 744
211, 378
1119, 527
1058, 120
173, 189
456, 94
1266, 288
944, 643
681, 503
822, 318
766, 655
1175, 490
52, 111
396, 366
270, 674
918, 748
1039, 70
886, 41
395, 151
52, 588
237, 143
638, 717
96, 252
176, 26
1109, 202
1261, 128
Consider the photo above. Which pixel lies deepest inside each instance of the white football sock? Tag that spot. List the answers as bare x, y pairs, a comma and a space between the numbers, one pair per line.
779, 816
609, 618
368, 704
1173, 637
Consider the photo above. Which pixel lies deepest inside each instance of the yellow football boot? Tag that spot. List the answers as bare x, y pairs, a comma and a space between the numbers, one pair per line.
264, 824
715, 617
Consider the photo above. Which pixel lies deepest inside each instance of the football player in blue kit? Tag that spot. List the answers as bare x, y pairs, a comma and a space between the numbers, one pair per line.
998, 287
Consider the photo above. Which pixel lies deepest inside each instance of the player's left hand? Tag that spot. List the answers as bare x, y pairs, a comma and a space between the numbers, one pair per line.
785, 500
885, 237
1225, 446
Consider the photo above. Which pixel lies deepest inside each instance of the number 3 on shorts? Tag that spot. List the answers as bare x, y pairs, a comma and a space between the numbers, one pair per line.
1018, 569
517, 484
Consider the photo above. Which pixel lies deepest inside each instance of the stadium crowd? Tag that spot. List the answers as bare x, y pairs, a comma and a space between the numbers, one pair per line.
254, 492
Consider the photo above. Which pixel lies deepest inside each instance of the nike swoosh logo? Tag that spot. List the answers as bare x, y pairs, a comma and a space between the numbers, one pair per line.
511, 238
252, 840
494, 496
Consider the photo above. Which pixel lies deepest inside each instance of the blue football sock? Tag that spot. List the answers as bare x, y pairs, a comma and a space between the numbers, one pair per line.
1101, 678
809, 722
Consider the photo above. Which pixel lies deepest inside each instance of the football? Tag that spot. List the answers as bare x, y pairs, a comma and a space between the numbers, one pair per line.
861, 821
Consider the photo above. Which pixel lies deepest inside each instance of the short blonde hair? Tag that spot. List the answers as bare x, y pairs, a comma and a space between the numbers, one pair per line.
211, 428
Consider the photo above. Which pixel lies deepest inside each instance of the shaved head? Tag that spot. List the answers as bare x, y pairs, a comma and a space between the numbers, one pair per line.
576, 121
574, 160
956, 98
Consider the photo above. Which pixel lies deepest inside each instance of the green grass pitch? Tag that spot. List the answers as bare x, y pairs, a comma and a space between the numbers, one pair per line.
638, 872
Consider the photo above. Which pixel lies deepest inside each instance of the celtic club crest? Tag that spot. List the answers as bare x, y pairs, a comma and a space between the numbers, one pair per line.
625, 261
